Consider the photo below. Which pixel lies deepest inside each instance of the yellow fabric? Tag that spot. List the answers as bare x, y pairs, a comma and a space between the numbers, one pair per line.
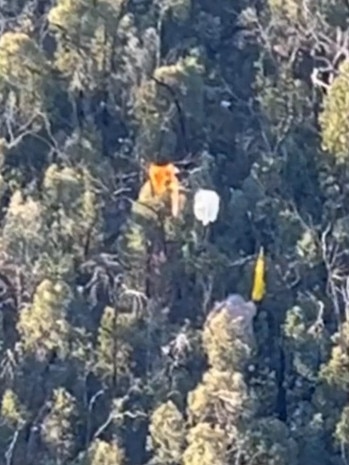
258, 290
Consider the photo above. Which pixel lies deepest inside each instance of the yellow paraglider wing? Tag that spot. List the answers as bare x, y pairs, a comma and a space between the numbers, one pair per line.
258, 289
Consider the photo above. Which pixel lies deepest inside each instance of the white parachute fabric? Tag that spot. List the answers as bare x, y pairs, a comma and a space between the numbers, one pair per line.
206, 206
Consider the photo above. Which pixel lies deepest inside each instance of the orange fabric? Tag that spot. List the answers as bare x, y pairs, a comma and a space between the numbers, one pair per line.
162, 177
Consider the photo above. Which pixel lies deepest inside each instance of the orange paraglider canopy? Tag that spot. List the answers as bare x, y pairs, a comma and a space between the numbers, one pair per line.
162, 177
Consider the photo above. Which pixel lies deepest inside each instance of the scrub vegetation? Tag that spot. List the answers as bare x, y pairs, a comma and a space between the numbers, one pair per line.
130, 332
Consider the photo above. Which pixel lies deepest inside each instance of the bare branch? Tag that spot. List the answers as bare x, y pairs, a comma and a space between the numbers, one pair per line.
11, 448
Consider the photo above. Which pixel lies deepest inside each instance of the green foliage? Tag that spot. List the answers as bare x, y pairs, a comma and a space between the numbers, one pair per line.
154, 108
43, 325
219, 390
74, 16
134, 247
290, 8
307, 340
12, 413
23, 235
207, 444
180, 9
308, 247
23, 73
270, 443
63, 185
167, 433
342, 428
285, 103
57, 425
113, 350
333, 121
72, 221
334, 11
336, 371
104, 453
86, 39
227, 340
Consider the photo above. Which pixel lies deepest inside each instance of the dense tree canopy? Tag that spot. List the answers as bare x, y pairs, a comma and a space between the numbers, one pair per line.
131, 331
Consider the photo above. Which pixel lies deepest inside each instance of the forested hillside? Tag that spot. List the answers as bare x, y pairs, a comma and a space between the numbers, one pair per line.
127, 331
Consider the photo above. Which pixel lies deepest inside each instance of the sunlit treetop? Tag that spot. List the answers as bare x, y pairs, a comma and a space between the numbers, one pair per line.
334, 118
